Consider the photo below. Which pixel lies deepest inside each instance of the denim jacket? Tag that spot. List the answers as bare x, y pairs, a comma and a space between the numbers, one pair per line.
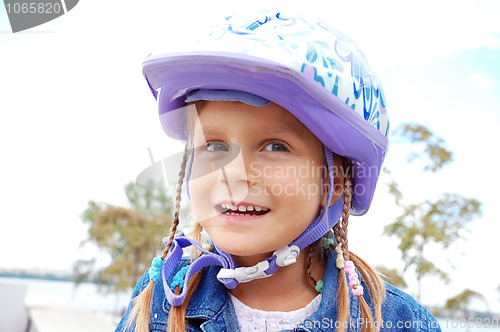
211, 308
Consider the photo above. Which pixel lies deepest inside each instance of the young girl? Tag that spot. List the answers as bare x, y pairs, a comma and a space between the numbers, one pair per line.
285, 128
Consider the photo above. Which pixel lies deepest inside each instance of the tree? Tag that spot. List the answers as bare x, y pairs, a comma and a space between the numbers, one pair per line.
392, 276
131, 236
440, 222
434, 148
83, 270
461, 303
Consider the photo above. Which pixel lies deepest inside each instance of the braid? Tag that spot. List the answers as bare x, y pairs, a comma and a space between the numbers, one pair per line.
141, 306
340, 233
375, 285
177, 315
340, 229
178, 194
314, 251
308, 263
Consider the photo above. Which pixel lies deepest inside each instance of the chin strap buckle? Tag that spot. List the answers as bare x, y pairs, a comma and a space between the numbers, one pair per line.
286, 255
245, 274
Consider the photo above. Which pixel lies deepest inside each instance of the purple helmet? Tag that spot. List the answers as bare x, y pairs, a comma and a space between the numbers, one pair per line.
308, 68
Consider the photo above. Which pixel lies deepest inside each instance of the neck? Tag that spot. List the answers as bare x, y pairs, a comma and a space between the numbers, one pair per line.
274, 293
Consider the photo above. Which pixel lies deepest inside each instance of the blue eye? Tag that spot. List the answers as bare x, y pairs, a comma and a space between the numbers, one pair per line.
276, 146
216, 147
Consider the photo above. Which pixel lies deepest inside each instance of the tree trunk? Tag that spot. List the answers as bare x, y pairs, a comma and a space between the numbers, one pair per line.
419, 290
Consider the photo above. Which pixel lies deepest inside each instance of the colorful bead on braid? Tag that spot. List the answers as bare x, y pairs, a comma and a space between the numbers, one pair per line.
325, 242
340, 257
319, 286
156, 266
354, 284
178, 279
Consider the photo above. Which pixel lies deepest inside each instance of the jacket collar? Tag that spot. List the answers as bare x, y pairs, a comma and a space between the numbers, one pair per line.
211, 305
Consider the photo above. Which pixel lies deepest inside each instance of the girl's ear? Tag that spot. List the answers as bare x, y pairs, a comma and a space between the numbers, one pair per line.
338, 181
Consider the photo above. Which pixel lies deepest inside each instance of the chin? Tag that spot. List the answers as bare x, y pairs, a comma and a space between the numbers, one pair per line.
241, 249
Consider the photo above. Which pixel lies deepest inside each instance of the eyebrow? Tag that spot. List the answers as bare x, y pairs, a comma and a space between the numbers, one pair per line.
272, 129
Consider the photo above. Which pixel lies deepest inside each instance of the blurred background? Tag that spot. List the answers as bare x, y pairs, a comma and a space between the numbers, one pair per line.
79, 124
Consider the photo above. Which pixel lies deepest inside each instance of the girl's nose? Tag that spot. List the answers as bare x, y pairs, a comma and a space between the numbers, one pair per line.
237, 177
234, 172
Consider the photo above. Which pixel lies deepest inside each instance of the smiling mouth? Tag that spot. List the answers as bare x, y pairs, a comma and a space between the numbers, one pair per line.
241, 210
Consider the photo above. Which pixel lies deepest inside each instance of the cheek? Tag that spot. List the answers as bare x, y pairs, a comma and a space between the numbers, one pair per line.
294, 186
199, 191
278, 182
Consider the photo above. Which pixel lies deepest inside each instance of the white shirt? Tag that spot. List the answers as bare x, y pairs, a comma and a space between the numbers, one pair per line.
259, 320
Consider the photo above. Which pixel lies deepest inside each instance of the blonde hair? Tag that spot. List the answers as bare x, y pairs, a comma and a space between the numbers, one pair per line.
371, 317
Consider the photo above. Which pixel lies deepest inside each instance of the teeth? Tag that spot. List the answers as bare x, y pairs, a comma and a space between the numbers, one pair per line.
242, 208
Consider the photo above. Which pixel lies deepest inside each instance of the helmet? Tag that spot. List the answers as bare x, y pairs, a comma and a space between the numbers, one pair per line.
316, 73
307, 67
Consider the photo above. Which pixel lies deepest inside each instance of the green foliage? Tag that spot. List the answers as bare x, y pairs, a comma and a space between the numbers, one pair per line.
392, 276
393, 187
438, 223
434, 151
461, 302
83, 270
131, 236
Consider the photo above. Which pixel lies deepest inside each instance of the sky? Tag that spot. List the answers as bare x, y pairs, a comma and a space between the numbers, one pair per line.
78, 119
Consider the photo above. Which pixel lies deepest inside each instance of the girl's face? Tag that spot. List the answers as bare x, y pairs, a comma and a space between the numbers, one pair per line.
258, 175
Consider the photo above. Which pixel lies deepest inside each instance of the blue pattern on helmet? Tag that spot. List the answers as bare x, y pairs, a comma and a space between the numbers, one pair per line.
314, 49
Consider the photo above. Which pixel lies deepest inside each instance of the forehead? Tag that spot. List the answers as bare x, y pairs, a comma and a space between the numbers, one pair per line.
268, 118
